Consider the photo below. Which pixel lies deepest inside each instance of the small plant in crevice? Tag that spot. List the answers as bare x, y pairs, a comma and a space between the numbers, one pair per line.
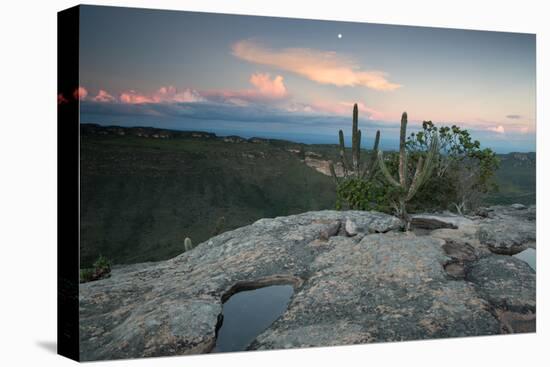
86, 275
101, 269
188, 244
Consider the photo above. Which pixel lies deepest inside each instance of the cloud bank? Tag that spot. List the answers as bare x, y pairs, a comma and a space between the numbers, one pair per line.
264, 89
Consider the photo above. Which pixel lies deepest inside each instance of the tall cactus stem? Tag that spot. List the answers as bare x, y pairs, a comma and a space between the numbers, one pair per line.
402, 151
343, 158
355, 169
355, 138
422, 172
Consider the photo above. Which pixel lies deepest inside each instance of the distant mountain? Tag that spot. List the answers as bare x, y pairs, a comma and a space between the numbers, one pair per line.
516, 178
156, 133
516, 159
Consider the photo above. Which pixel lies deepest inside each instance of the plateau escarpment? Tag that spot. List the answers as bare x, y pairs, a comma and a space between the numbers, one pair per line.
357, 278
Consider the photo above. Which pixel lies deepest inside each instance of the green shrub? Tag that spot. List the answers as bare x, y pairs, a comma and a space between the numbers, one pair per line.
86, 275
102, 263
358, 194
101, 269
462, 175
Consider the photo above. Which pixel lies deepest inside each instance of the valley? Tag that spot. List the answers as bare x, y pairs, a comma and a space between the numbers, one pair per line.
144, 190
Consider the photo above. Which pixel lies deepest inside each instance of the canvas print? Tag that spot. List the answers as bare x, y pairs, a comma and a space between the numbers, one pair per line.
256, 183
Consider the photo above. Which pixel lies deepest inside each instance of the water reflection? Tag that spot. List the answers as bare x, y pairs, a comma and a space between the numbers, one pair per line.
529, 256
246, 314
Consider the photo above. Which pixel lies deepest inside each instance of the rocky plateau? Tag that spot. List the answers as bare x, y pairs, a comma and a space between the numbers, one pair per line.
357, 278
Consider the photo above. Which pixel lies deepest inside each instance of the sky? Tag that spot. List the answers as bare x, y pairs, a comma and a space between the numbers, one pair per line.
298, 79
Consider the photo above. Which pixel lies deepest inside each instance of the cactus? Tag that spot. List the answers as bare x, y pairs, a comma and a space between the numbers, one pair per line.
406, 189
355, 169
188, 244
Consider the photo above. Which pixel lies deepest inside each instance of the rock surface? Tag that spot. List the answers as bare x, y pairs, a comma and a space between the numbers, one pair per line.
509, 230
506, 282
434, 221
357, 279
323, 166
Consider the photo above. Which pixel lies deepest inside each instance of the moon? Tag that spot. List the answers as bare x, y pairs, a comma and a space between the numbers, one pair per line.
339, 35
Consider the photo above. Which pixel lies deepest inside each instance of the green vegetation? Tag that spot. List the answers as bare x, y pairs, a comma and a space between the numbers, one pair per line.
461, 175
141, 196
144, 190
86, 275
405, 189
355, 169
360, 194
464, 173
354, 189
440, 169
516, 180
101, 269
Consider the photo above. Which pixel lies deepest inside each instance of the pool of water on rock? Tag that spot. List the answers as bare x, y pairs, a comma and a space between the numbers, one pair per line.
247, 314
529, 256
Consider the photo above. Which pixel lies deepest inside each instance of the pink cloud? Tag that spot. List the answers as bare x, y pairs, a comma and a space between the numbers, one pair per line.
104, 96
165, 94
265, 88
324, 67
132, 97
80, 93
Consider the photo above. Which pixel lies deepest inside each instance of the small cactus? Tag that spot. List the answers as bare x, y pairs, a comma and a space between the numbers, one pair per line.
188, 244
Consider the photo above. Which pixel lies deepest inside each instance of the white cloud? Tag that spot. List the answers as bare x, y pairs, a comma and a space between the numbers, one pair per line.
497, 129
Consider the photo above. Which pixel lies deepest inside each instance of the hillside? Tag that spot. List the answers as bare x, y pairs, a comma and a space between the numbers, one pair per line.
143, 190
516, 179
